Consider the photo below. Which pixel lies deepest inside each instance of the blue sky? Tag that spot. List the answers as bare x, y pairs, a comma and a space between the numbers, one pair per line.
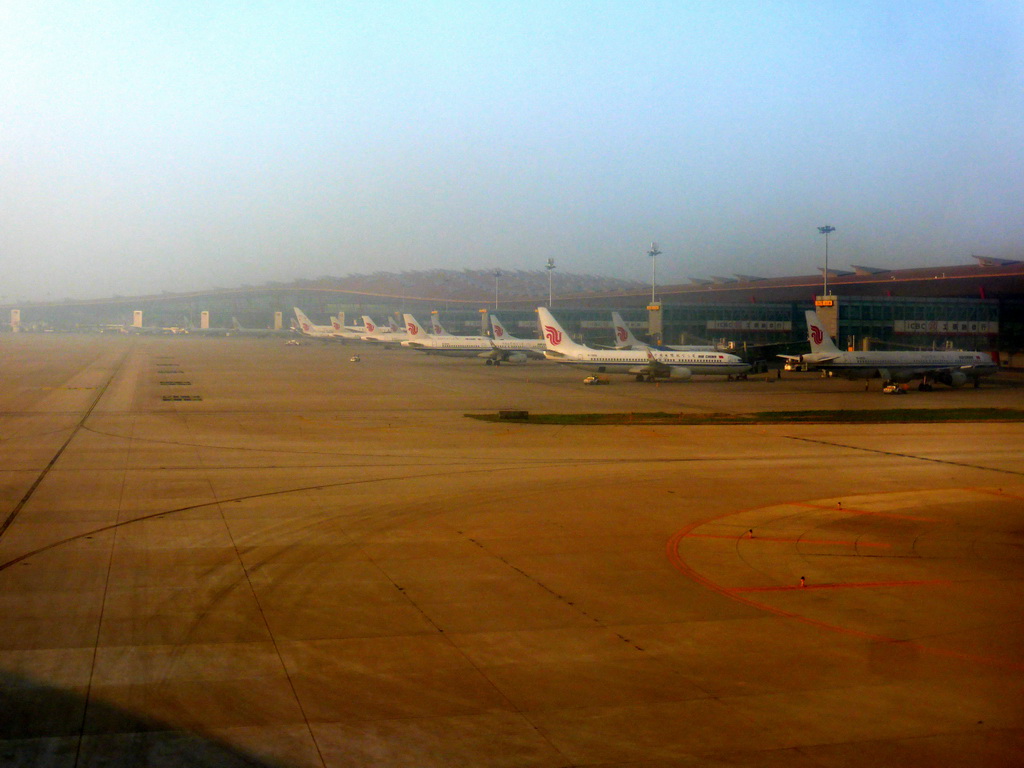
185, 145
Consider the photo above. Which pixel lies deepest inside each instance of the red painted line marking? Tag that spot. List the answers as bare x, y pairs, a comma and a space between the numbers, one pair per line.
997, 492
850, 585
677, 561
779, 540
851, 511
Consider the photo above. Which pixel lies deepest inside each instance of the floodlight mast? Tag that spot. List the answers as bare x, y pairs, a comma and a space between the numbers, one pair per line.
653, 253
497, 274
826, 231
550, 268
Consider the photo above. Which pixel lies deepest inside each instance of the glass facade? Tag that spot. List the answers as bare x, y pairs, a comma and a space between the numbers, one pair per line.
906, 323
876, 322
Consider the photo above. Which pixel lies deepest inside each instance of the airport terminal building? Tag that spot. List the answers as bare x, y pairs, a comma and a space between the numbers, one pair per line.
976, 306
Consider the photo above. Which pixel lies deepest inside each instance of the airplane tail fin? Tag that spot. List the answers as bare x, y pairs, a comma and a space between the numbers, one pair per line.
435, 326
555, 336
413, 328
818, 336
369, 325
500, 333
336, 324
623, 336
304, 324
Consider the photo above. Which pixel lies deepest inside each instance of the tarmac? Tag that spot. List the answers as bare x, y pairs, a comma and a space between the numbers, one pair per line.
236, 552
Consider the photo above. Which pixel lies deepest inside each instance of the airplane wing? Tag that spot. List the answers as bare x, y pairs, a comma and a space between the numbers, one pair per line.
653, 367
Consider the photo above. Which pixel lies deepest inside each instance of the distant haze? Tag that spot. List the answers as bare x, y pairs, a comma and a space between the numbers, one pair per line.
185, 145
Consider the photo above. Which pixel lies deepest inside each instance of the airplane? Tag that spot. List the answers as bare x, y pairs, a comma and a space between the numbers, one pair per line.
436, 329
157, 330
952, 368
624, 339
153, 330
342, 331
236, 329
447, 344
513, 347
374, 332
645, 364
357, 328
307, 327
346, 332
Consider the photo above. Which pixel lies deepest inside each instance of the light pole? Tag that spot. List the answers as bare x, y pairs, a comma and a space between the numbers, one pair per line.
653, 253
550, 267
826, 230
497, 274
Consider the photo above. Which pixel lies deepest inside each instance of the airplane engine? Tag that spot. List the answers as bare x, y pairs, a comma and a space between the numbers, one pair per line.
679, 373
901, 377
497, 357
952, 378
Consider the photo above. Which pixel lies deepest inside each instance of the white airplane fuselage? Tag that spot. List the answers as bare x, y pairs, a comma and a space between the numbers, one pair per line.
505, 342
629, 361
380, 334
644, 364
451, 346
445, 344
308, 328
954, 368
531, 347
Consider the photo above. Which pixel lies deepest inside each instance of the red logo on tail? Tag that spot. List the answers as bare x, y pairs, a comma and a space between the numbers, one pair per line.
553, 335
413, 328
498, 331
816, 334
620, 333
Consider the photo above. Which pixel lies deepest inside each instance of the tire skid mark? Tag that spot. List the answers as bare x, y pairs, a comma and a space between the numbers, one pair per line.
554, 593
867, 512
60, 451
248, 497
833, 444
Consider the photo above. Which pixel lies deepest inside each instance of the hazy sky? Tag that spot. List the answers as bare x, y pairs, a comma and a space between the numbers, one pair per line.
177, 145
